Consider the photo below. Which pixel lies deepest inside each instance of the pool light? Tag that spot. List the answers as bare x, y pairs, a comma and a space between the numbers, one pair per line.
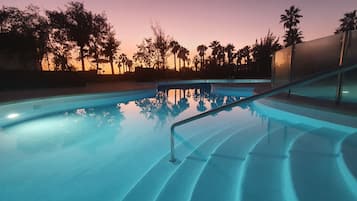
12, 115
345, 92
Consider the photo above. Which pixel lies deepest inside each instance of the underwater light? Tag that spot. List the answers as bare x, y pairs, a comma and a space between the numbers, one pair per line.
345, 92
12, 115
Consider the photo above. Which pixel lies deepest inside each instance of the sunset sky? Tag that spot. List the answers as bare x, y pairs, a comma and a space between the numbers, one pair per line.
195, 22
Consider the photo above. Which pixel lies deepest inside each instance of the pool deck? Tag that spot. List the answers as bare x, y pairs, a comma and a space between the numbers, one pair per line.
13, 95
323, 105
102, 87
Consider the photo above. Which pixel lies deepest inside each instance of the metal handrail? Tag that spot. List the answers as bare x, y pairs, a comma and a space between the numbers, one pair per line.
306, 80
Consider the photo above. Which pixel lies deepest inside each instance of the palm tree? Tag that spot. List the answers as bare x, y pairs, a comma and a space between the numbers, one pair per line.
292, 37
263, 51
183, 55
201, 49
122, 61
221, 55
290, 21
215, 46
230, 55
239, 56
129, 63
245, 53
348, 22
175, 46
196, 61
110, 48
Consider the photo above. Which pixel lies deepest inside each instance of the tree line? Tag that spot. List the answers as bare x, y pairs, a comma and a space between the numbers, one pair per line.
60, 36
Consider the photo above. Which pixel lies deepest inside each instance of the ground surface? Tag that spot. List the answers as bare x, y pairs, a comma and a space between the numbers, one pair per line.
6, 96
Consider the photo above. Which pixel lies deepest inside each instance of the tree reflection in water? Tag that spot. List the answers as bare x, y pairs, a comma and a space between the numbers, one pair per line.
199, 97
74, 128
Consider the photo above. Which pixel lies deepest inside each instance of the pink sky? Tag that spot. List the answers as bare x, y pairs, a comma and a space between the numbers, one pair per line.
195, 22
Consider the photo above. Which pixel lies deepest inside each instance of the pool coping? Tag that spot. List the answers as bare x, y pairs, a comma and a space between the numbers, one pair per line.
90, 88
37, 107
215, 81
104, 87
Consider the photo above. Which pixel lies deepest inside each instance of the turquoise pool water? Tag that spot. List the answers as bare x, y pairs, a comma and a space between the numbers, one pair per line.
116, 147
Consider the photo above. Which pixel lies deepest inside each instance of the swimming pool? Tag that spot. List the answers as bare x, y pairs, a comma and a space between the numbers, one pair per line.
116, 147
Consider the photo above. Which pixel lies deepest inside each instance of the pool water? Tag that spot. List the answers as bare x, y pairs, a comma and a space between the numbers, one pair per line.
119, 150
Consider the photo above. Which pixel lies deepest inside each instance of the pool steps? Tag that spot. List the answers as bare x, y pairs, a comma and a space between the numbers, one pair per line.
314, 167
280, 160
271, 153
151, 182
190, 170
347, 162
349, 153
194, 164
225, 164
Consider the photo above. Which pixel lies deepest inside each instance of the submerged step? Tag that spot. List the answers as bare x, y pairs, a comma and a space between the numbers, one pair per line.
314, 167
180, 185
220, 177
349, 151
265, 176
151, 183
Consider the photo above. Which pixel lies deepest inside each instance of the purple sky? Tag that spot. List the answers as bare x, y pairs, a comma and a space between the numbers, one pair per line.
193, 22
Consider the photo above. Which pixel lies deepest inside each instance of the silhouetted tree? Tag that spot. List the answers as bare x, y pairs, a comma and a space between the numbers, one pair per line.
110, 48
60, 45
263, 51
201, 49
239, 56
230, 55
290, 21
140, 58
91, 33
129, 64
221, 56
146, 53
60, 61
122, 61
97, 39
183, 55
245, 53
24, 33
215, 46
161, 44
348, 22
196, 61
10, 20
174, 46
37, 27
79, 25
